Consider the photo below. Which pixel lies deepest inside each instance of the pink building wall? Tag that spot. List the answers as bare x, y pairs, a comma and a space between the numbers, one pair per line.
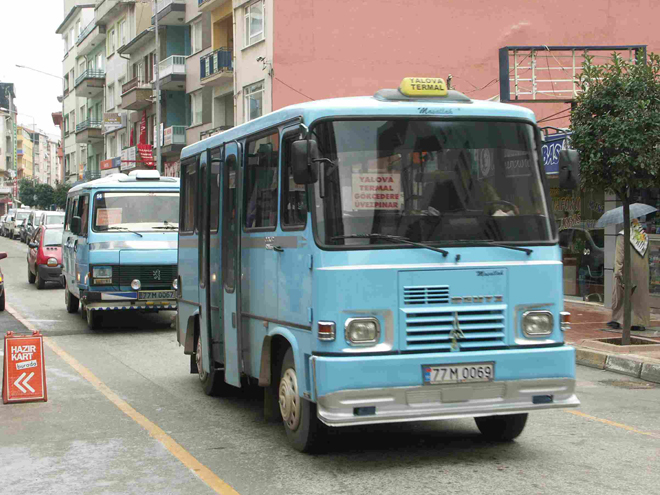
337, 48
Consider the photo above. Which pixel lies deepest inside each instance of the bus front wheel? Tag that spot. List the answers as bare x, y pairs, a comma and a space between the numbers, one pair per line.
303, 428
213, 383
501, 428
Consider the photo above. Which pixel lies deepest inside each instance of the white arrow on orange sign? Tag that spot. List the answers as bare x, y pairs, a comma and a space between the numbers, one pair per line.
25, 383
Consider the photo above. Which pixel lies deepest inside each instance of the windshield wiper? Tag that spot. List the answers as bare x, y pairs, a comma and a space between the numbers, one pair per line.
390, 238
114, 227
167, 227
498, 244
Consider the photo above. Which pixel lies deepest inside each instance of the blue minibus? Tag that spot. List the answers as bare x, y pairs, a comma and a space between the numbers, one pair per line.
119, 246
376, 259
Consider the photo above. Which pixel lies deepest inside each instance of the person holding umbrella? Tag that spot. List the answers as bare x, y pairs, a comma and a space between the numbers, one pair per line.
639, 299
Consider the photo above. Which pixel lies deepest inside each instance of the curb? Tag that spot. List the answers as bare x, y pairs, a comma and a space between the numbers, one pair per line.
618, 363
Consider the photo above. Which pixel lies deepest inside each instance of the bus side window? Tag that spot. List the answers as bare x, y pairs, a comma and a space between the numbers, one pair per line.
294, 196
188, 198
67, 215
83, 213
261, 177
229, 223
216, 155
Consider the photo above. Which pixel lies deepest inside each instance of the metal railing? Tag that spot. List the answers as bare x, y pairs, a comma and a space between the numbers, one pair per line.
216, 62
90, 74
136, 82
214, 131
161, 4
176, 135
176, 64
89, 124
90, 27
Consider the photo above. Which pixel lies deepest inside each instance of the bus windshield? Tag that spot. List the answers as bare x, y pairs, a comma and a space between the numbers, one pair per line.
436, 182
136, 211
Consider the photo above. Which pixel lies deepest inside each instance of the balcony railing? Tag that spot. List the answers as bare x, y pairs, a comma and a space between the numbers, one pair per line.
216, 62
175, 134
214, 131
90, 27
176, 64
136, 82
19, 151
90, 74
161, 4
89, 124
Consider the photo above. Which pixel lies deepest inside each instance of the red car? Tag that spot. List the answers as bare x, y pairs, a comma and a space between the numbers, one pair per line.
45, 255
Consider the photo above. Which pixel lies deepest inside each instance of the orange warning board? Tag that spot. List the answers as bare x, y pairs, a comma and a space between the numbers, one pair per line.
24, 374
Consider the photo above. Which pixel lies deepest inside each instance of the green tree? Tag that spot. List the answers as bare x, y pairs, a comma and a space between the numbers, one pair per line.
59, 194
44, 194
26, 191
616, 129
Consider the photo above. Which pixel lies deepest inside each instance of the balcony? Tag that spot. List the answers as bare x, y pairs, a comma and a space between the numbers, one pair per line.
88, 131
19, 151
209, 5
106, 10
172, 72
216, 68
214, 131
170, 12
90, 83
90, 38
174, 140
136, 94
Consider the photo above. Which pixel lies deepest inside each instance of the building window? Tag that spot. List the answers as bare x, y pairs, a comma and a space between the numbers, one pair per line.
111, 97
261, 183
120, 84
122, 33
66, 127
196, 36
111, 147
111, 42
72, 121
254, 99
196, 108
72, 40
254, 23
78, 30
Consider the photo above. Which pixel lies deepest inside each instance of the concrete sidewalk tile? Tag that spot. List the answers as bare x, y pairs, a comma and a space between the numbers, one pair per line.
624, 365
591, 358
650, 372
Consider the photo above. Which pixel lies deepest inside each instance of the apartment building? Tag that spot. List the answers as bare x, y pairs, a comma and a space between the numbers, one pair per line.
7, 132
58, 175
77, 16
24, 153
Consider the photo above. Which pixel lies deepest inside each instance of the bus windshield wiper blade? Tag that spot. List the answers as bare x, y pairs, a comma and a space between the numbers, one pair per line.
391, 238
114, 227
498, 244
166, 227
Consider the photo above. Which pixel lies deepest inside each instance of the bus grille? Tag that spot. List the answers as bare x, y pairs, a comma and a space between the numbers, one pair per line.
430, 330
432, 294
150, 276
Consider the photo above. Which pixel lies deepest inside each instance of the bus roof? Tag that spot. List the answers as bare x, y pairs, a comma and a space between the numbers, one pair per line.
366, 106
123, 181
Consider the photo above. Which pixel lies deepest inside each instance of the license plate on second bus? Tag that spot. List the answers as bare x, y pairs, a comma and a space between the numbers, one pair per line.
150, 295
458, 373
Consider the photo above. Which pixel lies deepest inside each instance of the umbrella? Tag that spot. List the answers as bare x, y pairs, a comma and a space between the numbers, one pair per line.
615, 216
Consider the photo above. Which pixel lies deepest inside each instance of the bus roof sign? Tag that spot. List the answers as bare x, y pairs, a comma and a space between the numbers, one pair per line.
423, 86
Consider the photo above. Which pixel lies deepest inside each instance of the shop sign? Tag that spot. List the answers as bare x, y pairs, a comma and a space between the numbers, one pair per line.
105, 164
128, 158
112, 122
171, 169
168, 134
550, 151
110, 171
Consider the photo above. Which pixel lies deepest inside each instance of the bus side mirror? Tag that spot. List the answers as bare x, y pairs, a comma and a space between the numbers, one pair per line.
303, 154
569, 169
75, 225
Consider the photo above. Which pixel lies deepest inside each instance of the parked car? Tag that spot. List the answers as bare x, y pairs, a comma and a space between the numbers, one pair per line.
31, 225
45, 256
5, 223
51, 218
2, 222
2, 285
15, 226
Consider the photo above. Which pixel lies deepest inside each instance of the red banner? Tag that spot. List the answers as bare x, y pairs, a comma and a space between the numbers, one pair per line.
146, 153
143, 127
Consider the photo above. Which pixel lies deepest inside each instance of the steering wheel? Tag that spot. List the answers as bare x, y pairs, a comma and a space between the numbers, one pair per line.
511, 206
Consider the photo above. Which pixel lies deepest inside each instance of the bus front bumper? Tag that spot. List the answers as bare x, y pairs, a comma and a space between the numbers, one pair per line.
355, 402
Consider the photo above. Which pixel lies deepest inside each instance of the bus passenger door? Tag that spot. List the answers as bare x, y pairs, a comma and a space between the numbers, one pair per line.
230, 265
203, 263
214, 284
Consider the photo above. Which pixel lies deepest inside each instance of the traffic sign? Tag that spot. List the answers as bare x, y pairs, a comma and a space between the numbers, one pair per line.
24, 373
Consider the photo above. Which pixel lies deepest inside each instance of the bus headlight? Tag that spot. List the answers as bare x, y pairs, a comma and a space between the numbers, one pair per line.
102, 272
175, 284
537, 323
135, 284
362, 331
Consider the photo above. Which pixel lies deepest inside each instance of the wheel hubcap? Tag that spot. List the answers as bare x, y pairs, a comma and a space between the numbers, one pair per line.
289, 400
198, 359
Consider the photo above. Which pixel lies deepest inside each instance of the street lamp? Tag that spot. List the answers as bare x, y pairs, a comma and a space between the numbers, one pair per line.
37, 70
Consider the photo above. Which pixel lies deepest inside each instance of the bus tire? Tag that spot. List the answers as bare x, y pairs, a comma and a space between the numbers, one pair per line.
303, 428
94, 319
71, 301
213, 383
502, 428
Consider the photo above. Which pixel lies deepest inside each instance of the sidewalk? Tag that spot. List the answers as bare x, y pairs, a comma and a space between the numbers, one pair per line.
588, 322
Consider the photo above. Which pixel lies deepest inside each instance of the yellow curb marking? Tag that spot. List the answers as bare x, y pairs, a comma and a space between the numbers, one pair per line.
199, 469
612, 423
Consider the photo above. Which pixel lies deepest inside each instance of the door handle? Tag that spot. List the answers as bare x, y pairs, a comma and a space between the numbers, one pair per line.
278, 249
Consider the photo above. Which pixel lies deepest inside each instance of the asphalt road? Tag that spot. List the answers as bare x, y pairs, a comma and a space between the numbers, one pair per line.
80, 441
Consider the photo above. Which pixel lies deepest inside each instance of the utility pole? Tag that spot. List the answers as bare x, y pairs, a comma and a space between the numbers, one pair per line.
159, 165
